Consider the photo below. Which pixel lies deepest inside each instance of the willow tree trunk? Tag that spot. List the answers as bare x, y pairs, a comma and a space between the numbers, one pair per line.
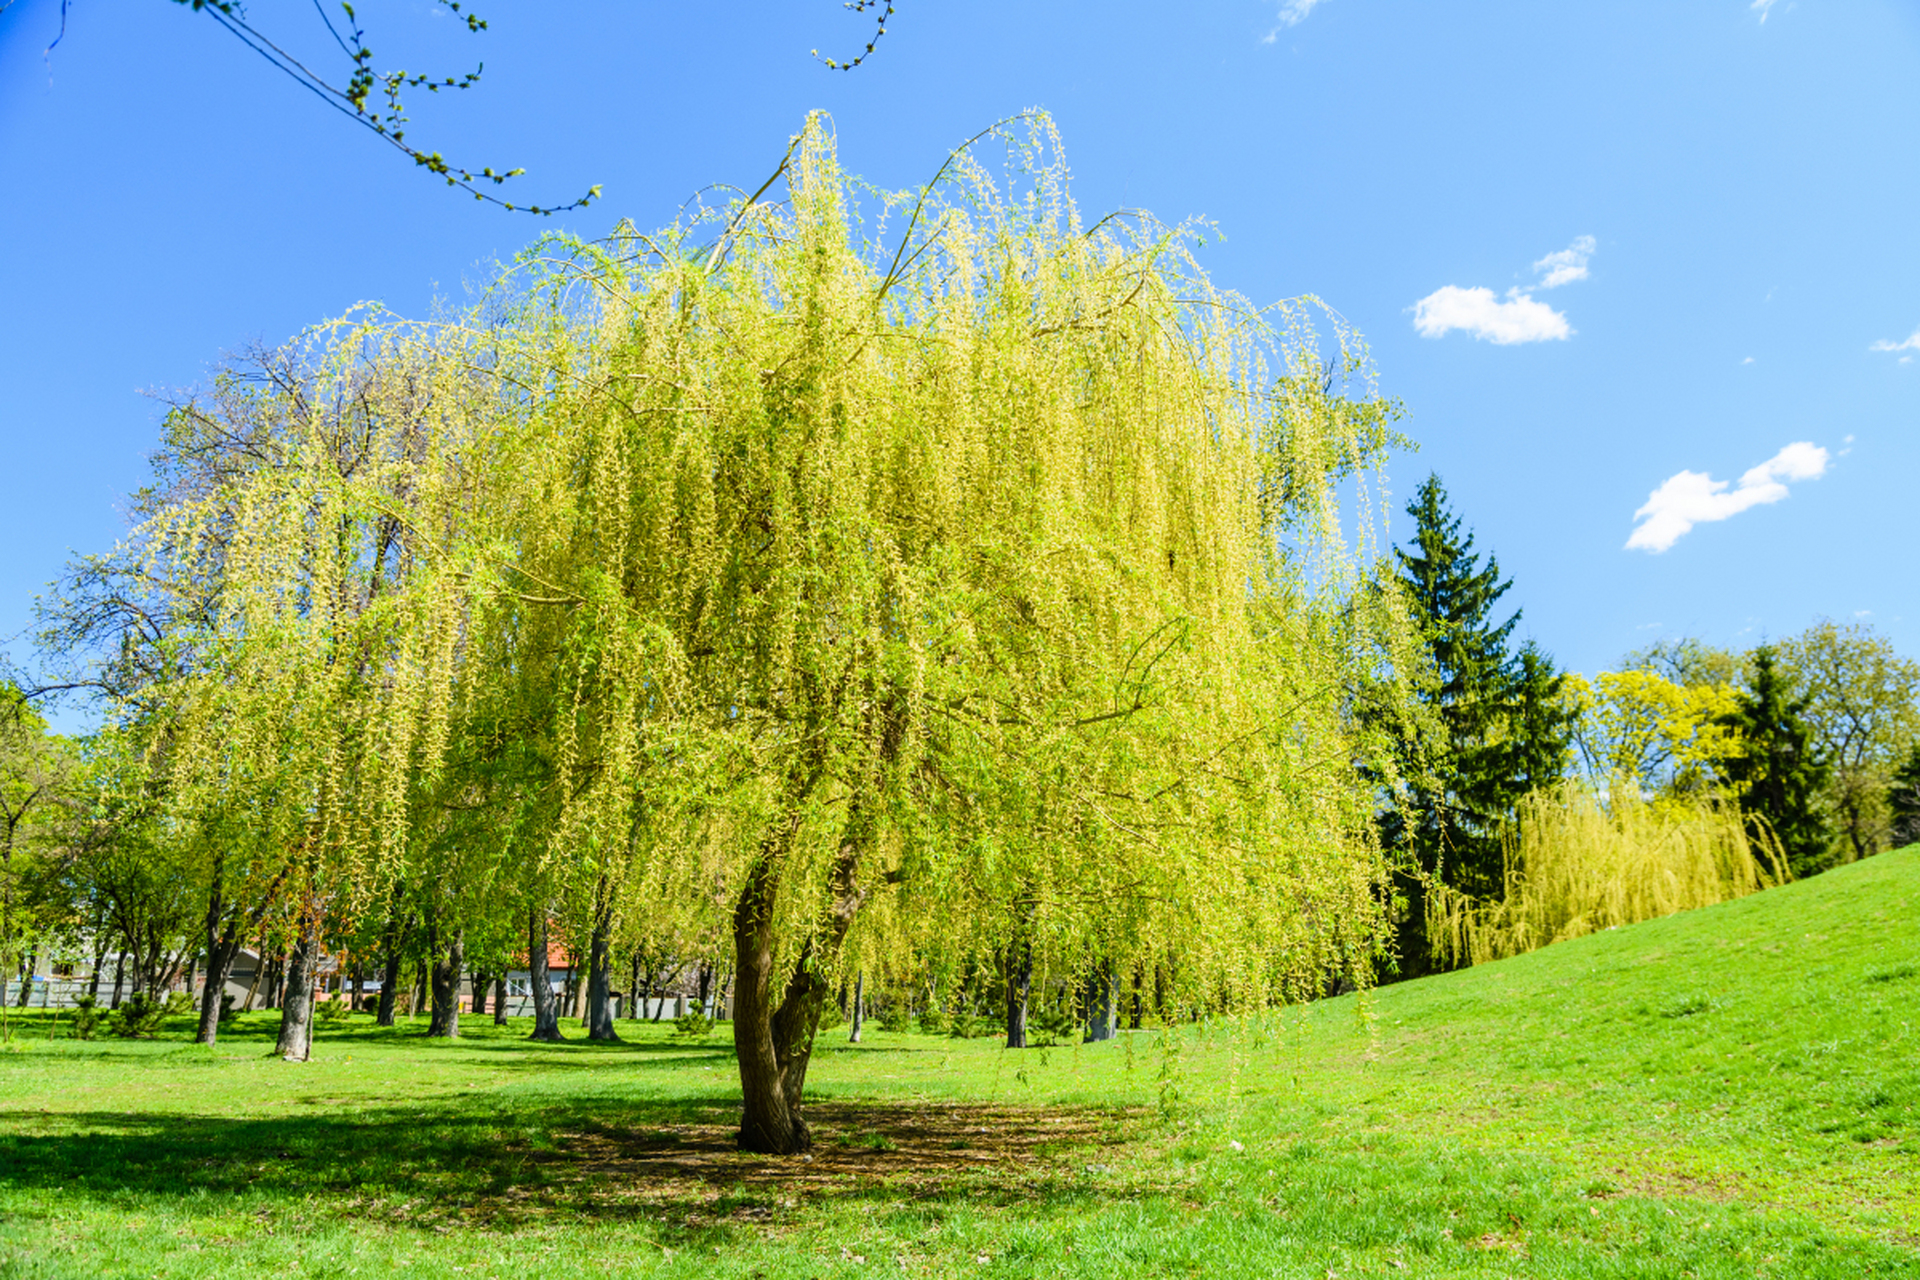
775, 1045
599, 978
1100, 993
445, 1022
296, 1006
1019, 980
858, 1013
546, 1018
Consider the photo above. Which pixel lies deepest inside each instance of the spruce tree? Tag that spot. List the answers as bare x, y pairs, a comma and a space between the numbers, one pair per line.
1494, 726
1903, 797
1777, 774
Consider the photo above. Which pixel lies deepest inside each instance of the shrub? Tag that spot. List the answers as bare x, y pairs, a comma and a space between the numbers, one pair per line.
1053, 1026
694, 1024
138, 1017
332, 1009
895, 1018
86, 1018
935, 1022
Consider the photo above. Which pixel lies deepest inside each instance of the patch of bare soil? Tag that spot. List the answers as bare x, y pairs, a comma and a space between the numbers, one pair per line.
694, 1173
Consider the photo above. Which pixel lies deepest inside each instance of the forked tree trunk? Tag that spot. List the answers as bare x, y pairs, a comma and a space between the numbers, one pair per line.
546, 1018
481, 981
296, 1008
1100, 992
858, 1013
420, 975
775, 1045
445, 1022
500, 1002
599, 984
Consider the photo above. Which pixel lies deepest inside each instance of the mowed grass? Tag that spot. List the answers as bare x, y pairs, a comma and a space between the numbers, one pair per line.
1730, 1092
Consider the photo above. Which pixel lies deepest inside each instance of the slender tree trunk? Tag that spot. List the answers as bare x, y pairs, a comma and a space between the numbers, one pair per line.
26, 978
1100, 992
546, 1018
1019, 979
99, 960
859, 1011
119, 977
481, 981
389, 977
296, 1007
259, 971
359, 982
635, 1003
445, 1022
276, 974
500, 1001
599, 976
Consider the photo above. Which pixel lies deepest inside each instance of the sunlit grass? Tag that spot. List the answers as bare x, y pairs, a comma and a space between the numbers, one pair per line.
1727, 1092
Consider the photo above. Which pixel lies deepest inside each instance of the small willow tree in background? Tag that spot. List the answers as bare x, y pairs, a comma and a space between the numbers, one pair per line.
1578, 864
981, 599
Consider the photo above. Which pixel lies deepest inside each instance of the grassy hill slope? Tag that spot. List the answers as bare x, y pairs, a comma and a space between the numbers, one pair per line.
1730, 1092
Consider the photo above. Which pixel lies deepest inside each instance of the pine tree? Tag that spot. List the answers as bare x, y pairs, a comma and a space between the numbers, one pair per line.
1903, 797
1495, 727
1777, 774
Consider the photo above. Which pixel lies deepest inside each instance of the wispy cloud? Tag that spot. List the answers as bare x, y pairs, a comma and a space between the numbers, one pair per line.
1566, 266
1762, 7
1292, 14
1693, 497
1909, 343
1518, 319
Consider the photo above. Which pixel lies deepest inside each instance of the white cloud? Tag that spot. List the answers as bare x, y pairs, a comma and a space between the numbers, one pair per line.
1518, 319
1762, 7
1910, 343
1693, 497
1567, 265
1292, 14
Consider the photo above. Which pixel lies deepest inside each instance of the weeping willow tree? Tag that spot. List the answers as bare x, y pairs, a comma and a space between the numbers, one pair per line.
982, 598
1577, 864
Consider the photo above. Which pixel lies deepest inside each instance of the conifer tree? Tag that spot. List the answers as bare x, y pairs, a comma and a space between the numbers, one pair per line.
1777, 773
1903, 797
1494, 725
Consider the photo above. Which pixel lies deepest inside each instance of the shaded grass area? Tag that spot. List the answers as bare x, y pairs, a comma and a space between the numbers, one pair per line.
1731, 1092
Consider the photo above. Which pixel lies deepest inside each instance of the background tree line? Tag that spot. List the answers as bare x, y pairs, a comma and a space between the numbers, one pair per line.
1810, 744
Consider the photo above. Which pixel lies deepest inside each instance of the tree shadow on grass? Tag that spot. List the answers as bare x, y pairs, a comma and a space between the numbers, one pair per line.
488, 1164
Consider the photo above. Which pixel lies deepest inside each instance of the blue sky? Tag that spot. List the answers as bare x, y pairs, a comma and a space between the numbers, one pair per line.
1730, 190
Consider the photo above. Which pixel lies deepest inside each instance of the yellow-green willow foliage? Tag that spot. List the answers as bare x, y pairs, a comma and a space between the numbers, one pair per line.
327, 619
1580, 865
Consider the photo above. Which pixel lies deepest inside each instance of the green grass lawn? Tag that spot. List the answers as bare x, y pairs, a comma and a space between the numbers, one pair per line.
1732, 1092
